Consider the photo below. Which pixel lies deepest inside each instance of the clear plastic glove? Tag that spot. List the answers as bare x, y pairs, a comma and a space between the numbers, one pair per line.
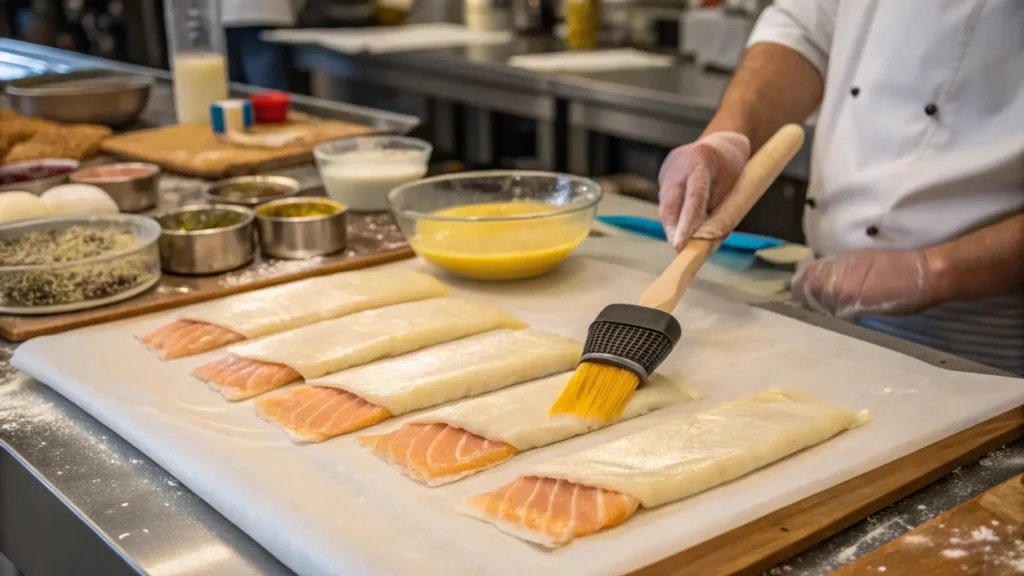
695, 178
868, 282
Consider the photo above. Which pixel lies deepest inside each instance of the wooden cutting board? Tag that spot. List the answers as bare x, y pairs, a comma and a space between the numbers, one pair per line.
192, 149
976, 537
372, 240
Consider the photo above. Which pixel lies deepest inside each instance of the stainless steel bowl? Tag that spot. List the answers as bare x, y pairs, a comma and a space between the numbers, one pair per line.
82, 97
301, 237
281, 186
209, 250
39, 185
132, 185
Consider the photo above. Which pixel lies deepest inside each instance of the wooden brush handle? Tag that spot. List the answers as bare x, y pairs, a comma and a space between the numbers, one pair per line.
759, 173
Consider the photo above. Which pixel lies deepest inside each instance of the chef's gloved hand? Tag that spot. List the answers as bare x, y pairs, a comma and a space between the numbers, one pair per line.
868, 282
695, 178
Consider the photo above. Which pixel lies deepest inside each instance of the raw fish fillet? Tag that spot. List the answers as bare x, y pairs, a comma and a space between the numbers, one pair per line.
428, 377
187, 338
287, 307
316, 413
335, 345
551, 512
456, 441
437, 454
661, 464
240, 378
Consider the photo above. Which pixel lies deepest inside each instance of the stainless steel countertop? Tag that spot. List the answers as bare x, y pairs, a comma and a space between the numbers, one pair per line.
659, 106
683, 90
160, 527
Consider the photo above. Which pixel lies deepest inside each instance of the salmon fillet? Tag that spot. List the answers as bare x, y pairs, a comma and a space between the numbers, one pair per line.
239, 378
187, 338
437, 454
551, 512
318, 413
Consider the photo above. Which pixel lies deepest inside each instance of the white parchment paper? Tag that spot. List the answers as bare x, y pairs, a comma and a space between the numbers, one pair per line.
333, 508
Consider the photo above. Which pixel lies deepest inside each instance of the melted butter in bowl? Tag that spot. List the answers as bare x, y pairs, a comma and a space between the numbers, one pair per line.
505, 244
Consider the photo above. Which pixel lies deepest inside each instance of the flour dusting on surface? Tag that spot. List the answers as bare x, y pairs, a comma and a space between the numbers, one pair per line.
916, 540
954, 553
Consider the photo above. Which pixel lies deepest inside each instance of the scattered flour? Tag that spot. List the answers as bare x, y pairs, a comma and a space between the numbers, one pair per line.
922, 507
881, 568
123, 536
995, 522
954, 553
955, 541
917, 540
885, 531
1017, 565
123, 504
984, 534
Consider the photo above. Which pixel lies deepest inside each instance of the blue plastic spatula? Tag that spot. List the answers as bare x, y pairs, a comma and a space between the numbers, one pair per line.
739, 241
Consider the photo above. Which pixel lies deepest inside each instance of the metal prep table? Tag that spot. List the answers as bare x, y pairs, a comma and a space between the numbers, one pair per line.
576, 116
77, 499
475, 77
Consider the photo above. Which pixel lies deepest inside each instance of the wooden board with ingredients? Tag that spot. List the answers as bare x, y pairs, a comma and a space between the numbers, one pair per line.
372, 240
194, 150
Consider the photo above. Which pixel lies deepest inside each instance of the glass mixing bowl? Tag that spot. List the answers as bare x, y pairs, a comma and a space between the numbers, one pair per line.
498, 225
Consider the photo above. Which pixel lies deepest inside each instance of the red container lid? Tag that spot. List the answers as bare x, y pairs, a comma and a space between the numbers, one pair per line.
270, 107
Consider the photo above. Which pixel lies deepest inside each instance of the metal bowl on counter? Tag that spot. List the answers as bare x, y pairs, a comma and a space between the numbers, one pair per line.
297, 228
67, 263
252, 190
199, 240
36, 176
82, 97
132, 185
496, 225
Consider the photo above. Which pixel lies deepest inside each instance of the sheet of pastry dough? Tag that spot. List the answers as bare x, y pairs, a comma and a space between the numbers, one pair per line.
460, 369
363, 337
296, 304
682, 458
519, 416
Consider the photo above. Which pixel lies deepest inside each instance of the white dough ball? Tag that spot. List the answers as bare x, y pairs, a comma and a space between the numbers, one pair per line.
20, 206
78, 199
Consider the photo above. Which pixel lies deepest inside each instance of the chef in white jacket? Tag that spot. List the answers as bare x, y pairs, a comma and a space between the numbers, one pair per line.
250, 59
915, 205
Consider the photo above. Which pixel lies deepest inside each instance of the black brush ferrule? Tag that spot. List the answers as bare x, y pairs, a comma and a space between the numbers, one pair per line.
635, 338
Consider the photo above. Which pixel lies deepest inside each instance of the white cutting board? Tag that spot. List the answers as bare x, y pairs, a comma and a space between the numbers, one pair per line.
333, 508
592, 61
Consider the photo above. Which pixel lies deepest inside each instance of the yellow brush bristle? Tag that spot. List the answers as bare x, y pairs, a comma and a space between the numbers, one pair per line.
598, 391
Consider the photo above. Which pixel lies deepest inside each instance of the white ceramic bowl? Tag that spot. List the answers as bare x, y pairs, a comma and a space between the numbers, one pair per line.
360, 171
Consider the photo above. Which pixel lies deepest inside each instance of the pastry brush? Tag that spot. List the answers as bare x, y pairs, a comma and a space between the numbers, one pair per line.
627, 342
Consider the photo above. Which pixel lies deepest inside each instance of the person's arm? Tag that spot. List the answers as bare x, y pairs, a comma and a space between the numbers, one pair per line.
774, 86
779, 81
988, 262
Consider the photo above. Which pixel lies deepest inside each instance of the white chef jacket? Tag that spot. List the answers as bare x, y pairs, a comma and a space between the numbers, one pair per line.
275, 13
919, 140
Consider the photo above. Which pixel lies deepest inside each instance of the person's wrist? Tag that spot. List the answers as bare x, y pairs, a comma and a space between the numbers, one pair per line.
726, 122
939, 276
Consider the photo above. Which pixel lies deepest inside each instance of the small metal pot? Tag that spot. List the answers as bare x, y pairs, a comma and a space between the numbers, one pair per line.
288, 187
301, 237
210, 251
131, 193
